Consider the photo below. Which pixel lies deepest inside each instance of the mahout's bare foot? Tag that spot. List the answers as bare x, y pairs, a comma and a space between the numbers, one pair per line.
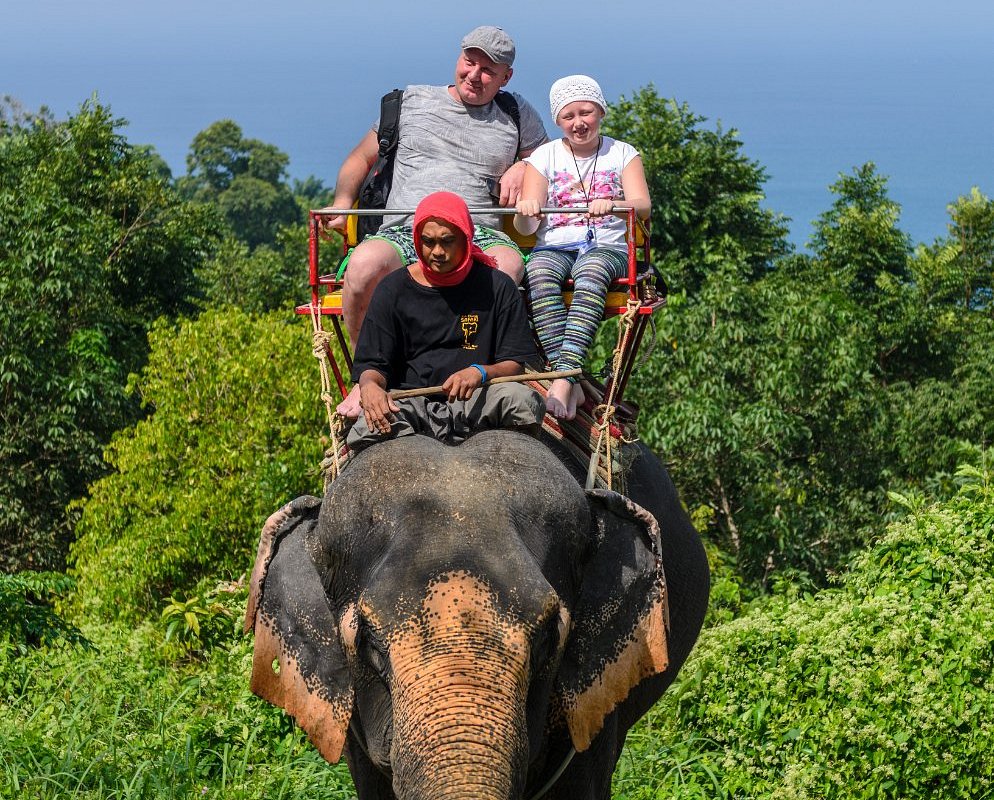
557, 400
350, 407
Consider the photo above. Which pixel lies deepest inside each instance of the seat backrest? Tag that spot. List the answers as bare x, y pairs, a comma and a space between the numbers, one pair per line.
526, 243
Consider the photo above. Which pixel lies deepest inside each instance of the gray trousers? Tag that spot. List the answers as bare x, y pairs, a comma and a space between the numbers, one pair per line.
500, 405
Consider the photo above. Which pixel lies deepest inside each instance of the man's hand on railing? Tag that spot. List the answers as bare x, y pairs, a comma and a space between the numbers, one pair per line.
340, 221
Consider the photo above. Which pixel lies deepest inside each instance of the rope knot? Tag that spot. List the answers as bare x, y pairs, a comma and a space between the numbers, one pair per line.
321, 342
605, 413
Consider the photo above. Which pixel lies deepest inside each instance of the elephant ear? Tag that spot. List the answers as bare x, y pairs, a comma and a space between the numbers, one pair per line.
620, 619
298, 663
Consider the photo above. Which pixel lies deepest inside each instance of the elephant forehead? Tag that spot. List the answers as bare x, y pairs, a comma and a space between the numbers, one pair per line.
491, 463
461, 607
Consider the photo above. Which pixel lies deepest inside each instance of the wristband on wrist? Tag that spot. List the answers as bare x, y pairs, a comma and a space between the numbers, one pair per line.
483, 372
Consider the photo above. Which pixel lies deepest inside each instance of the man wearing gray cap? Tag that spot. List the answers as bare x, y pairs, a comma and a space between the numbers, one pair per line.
452, 138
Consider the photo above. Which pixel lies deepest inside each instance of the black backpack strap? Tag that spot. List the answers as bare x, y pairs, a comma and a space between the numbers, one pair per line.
387, 131
508, 103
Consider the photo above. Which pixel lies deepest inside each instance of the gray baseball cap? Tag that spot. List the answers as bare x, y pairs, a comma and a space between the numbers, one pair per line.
492, 41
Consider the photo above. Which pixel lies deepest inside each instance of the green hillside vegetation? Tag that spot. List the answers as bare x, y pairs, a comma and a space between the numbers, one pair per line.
232, 437
94, 247
880, 687
825, 415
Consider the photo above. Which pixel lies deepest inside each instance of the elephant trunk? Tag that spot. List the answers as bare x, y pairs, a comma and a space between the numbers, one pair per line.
459, 690
462, 734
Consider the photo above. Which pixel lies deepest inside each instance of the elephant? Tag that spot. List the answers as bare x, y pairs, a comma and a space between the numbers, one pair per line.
466, 621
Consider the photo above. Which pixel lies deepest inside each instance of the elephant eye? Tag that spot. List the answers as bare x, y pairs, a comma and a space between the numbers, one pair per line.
373, 650
544, 645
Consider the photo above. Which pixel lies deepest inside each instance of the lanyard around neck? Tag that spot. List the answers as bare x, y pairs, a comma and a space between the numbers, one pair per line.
593, 169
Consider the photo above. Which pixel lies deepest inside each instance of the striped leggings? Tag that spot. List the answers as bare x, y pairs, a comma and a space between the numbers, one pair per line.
566, 335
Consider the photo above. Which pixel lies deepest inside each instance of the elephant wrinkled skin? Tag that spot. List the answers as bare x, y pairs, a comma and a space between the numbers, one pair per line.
456, 619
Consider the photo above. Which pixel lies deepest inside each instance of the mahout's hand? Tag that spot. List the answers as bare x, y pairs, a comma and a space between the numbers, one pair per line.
377, 407
461, 385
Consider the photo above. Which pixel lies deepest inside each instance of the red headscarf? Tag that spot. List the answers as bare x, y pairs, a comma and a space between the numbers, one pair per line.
452, 209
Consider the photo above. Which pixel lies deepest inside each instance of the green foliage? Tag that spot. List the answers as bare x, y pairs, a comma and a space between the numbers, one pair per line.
117, 722
245, 178
255, 281
972, 229
204, 620
93, 248
937, 419
233, 435
877, 688
937, 362
785, 400
705, 193
858, 237
312, 193
260, 280
29, 616
257, 209
760, 396
14, 117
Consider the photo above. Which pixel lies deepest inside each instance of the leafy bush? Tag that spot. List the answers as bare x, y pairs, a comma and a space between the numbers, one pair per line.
268, 277
244, 178
878, 688
30, 619
233, 434
787, 399
706, 193
206, 619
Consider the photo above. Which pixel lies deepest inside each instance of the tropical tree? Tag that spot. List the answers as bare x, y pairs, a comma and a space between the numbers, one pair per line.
94, 247
245, 177
943, 404
706, 194
878, 687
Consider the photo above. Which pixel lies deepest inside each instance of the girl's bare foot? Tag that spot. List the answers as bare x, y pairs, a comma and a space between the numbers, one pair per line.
576, 399
557, 400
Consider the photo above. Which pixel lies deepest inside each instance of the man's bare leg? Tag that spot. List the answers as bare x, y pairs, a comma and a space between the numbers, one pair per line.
509, 261
371, 261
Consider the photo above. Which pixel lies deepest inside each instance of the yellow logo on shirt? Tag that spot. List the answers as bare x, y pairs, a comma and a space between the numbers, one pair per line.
470, 325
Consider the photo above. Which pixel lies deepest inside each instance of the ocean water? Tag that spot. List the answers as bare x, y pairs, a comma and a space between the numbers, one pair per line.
813, 91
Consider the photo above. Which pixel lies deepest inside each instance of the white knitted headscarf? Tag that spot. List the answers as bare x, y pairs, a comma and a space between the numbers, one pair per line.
572, 88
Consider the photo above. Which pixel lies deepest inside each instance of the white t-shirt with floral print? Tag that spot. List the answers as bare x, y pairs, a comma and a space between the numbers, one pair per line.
554, 160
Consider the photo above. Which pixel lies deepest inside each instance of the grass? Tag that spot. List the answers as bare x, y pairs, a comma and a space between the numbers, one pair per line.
121, 722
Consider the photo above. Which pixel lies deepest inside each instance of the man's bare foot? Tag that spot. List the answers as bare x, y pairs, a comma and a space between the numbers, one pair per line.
350, 407
557, 401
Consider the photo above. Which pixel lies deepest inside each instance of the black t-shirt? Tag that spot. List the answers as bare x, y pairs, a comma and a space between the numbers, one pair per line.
417, 336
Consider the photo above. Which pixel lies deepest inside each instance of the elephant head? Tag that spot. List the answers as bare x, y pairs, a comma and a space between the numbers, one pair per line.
447, 615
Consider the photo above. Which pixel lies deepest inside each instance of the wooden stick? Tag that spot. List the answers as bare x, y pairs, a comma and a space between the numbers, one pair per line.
400, 394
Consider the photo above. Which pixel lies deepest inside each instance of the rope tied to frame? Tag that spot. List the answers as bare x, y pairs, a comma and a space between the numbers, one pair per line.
606, 411
320, 349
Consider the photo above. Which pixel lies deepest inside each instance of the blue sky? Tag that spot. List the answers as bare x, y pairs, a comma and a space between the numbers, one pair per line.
814, 89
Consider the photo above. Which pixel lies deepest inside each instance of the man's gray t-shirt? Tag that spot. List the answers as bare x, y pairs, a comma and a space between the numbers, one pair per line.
445, 145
